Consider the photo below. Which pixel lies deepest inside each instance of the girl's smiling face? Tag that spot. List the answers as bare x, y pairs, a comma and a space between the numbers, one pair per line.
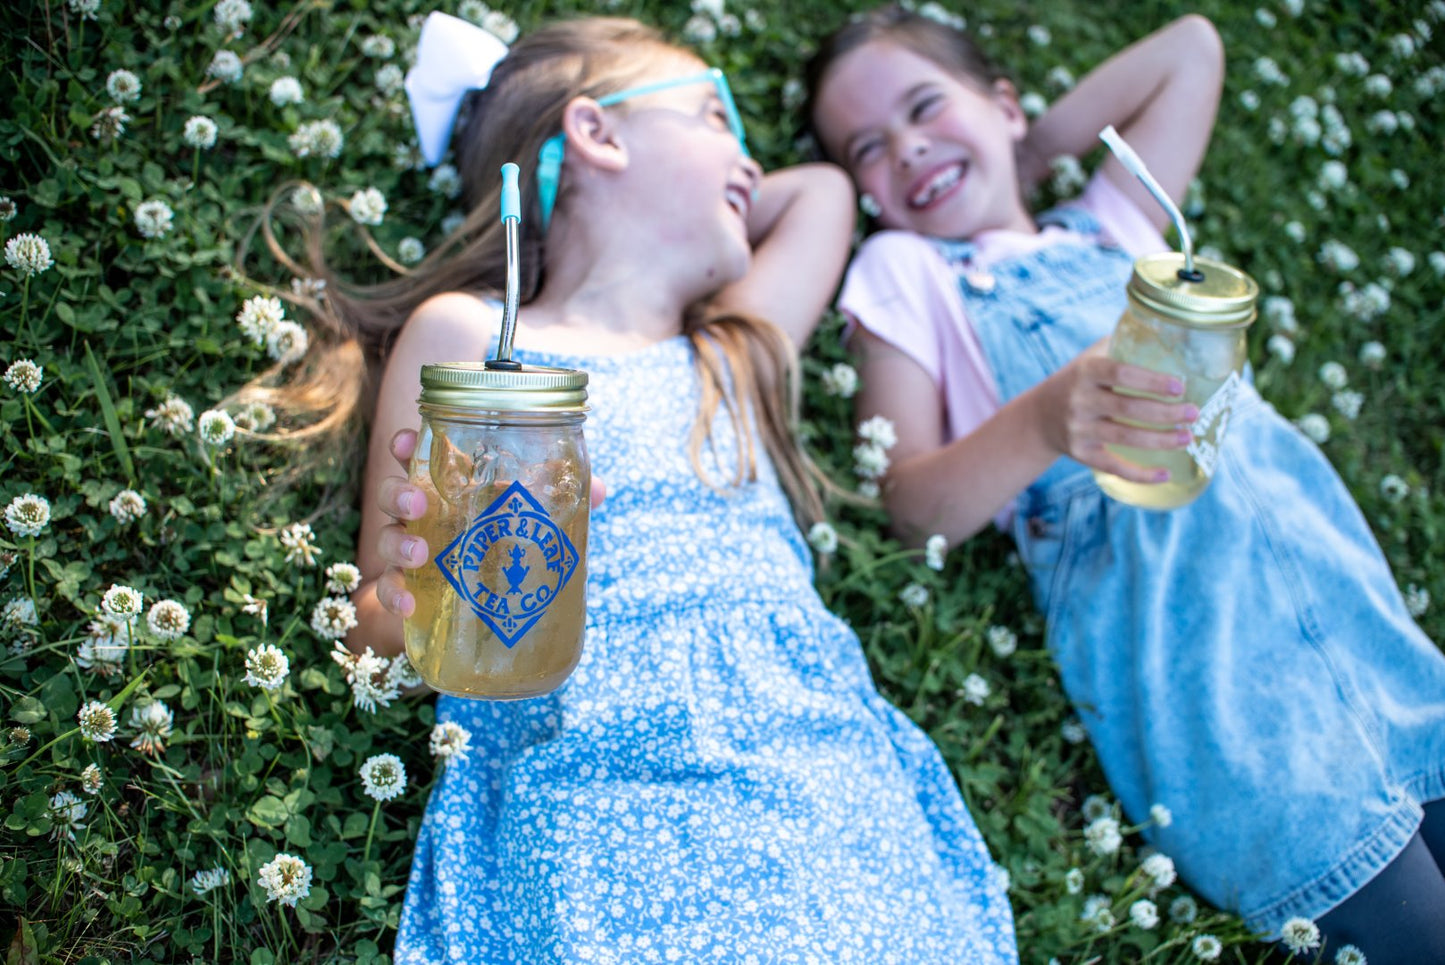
935, 152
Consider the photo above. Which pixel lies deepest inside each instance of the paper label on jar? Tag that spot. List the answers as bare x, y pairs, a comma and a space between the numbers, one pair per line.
510, 563
1213, 420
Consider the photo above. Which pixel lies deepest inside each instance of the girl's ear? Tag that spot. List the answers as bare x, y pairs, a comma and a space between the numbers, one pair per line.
1007, 98
592, 136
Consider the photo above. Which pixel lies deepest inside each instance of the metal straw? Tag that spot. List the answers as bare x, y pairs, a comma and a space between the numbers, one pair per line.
1135, 164
511, 222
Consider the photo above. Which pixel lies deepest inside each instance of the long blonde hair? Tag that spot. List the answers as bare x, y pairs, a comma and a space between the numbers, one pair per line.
743, 362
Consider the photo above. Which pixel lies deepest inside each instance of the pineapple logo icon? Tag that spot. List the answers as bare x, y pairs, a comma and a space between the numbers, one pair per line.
510, 563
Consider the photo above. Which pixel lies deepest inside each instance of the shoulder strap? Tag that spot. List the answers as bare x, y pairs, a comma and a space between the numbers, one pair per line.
1071, 217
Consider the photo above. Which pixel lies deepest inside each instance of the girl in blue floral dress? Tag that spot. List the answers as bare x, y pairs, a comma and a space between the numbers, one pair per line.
718, 780
1246, 660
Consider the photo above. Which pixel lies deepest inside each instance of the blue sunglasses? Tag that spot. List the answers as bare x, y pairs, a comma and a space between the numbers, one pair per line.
549, 158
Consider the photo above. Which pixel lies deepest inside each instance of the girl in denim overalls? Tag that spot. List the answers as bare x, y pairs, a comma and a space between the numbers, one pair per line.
1246, 660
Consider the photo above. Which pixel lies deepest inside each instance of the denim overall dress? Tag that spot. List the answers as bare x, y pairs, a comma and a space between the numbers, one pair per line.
1246, 660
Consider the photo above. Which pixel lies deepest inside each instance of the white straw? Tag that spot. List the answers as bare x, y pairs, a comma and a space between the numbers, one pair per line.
1135, 165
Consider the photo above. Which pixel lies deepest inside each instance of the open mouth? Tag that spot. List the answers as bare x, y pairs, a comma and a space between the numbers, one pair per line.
739, 199
940, 183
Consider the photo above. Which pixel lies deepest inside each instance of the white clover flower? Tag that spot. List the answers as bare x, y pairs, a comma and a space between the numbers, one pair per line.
1249, 100
1144, 914
1067, 175
452, 222
1161, 816
8, 208
1417, 600
122, 602
342, 578
367, 206
28, 254
286, 878
84, 9
152, 721
868, 489
286, 90
109, 123
1098, 913
450, 741
1280, 347
319, 138
369, 677
1072, 731
410, 250
174, 416
1372, 355
1338, 255
841, 380
254, 606
199, 132
259, 315
1183, 909
123, 86
390, 79
1074, 881
1264, 17
1206, 948
473, 10
1033, 103
153, 218
938, 13
1347, 402
97, 722
402, 675
1350, 955
379, 46
1159, 869
823, 537
975, 690
500, 25
266, 667
383, 777
106, 644
20, 736
1059, 78
1268, 72
91, 779
1431, 82
66, 814
870, 461
913, 595
1382, 122
232, 16
445, 181
1102, 836
313, 288
1393, 488
1002, 641
1314, 425
300, 543
1378, 85
216, 427
209, 879
1096, 806
333, 617
1366, 303
1039, 35
307, 200
1399, 179
19, 613
226, 67
934, 550
1401, 261
1300, 935
699, 29
255, 417
793, 94
1333, 175
287, 342
168, 619
27, 515
1333, 375
1352, 63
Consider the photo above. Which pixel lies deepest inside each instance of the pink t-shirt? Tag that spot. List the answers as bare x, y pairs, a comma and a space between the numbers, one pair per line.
900, 288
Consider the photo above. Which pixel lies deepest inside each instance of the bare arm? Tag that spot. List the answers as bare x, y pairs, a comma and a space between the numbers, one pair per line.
1161, 93
801, 227
934, 486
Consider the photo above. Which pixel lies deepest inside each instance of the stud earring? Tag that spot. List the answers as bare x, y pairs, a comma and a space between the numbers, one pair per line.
869, 205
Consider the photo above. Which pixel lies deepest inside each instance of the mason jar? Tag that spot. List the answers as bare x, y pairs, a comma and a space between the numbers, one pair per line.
500, 607
1193, 326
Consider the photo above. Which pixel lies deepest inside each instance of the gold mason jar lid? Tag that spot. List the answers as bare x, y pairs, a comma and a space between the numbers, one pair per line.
471, 385
1221, 296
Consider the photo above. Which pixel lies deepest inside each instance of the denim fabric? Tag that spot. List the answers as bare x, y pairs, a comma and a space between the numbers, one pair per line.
1246, 660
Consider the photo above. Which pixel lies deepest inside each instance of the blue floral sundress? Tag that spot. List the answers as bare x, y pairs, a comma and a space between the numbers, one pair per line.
1247, 660
719, 780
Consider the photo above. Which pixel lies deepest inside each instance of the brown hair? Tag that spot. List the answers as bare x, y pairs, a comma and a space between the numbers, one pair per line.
948, 47
737, 357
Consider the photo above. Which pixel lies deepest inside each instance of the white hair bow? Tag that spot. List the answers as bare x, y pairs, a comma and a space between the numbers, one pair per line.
452, 57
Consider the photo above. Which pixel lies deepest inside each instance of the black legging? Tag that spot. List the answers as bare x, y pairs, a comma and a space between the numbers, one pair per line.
1398, 918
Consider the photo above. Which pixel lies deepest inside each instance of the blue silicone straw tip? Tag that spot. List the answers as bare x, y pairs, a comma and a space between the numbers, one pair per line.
511, 194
